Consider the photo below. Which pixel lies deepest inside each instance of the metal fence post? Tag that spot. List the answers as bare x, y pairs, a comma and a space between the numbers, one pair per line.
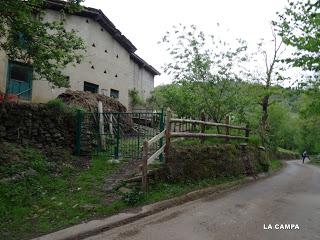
161, 129
79, 116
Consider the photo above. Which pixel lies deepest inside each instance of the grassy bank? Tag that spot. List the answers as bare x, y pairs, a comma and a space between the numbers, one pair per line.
47, 196
315, 160
51, 196
275, 165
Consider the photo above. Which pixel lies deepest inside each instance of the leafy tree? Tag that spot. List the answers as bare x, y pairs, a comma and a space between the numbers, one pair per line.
135, 98
299, 27
47, 46
206, 69
268, 73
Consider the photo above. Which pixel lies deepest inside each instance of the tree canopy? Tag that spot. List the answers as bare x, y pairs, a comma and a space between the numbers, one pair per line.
47, 46
299, 27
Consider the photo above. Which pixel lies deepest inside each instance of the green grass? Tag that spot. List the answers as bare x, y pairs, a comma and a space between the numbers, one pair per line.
164, 190
275, 165
315, 160
49, 201
56, 198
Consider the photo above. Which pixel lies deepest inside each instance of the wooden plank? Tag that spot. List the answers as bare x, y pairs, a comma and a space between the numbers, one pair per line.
168, 132
156, 154
157, 137
101, 126
227, 128
145, 150
199, 135
203, 125
208, 123
247, 132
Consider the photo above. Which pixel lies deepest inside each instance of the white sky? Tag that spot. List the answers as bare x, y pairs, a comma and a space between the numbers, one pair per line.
144, 22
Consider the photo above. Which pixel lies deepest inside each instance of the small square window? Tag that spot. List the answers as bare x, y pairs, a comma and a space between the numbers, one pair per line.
90, 87
19, 73
114, 93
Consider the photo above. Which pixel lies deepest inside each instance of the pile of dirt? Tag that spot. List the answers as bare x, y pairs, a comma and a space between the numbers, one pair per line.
89, 101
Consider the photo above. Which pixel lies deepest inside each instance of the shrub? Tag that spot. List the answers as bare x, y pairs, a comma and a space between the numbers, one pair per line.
133, 198
58, 105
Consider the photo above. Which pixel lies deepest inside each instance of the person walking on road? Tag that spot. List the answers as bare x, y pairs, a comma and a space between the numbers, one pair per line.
304, 156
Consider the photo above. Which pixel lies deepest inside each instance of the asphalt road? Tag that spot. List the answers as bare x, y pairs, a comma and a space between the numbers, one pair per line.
290, 197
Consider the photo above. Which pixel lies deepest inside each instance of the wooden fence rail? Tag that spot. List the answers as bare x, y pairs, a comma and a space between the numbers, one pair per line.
168, 134
209, 123
206, 135
146, 160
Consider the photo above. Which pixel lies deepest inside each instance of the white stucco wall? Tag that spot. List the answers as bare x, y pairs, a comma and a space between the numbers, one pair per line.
143, 81
129, 75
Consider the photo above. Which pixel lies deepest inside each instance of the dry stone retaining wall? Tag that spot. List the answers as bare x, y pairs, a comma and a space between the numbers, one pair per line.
38, 125
204, 161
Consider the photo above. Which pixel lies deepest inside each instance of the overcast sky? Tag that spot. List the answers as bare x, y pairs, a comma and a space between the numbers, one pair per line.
144, 22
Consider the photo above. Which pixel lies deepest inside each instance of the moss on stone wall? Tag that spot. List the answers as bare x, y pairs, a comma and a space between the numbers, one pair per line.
203, 161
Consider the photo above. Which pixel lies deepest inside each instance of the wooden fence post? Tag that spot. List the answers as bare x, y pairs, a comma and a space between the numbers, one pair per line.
101, 126
227, 121
203, 126
111, 126
168, 132
247, 132
145, 150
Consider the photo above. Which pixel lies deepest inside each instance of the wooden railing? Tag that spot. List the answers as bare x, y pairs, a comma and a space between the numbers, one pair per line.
146, 160
168, 134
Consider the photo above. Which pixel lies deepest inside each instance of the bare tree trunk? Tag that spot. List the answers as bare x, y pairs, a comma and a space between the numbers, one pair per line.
264, 120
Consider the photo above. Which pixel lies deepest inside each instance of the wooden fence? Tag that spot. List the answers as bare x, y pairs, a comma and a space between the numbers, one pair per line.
168, 134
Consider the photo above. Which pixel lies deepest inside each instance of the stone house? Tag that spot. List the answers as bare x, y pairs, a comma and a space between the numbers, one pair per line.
110, 65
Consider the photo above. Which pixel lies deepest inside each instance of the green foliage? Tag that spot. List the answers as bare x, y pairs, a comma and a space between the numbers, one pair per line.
133, 198
27, 37
275, 164
135, 98
204, 70
299, 27
59, 194
59, 106
255, 140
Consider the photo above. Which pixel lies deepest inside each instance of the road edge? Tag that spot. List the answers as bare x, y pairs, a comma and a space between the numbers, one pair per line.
95, 227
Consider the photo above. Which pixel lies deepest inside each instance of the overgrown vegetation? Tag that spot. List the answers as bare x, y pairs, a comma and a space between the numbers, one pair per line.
135, 98
38, 196
275, 165
58, 105
164, 190
315, 160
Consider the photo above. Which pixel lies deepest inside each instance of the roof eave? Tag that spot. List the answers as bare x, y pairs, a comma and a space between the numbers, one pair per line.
98, 16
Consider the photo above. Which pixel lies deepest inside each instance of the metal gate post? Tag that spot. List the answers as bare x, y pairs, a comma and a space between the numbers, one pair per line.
116, 154
161, 129
79, 118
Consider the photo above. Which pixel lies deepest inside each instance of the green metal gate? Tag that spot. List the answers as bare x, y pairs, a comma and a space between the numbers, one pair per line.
123, 133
